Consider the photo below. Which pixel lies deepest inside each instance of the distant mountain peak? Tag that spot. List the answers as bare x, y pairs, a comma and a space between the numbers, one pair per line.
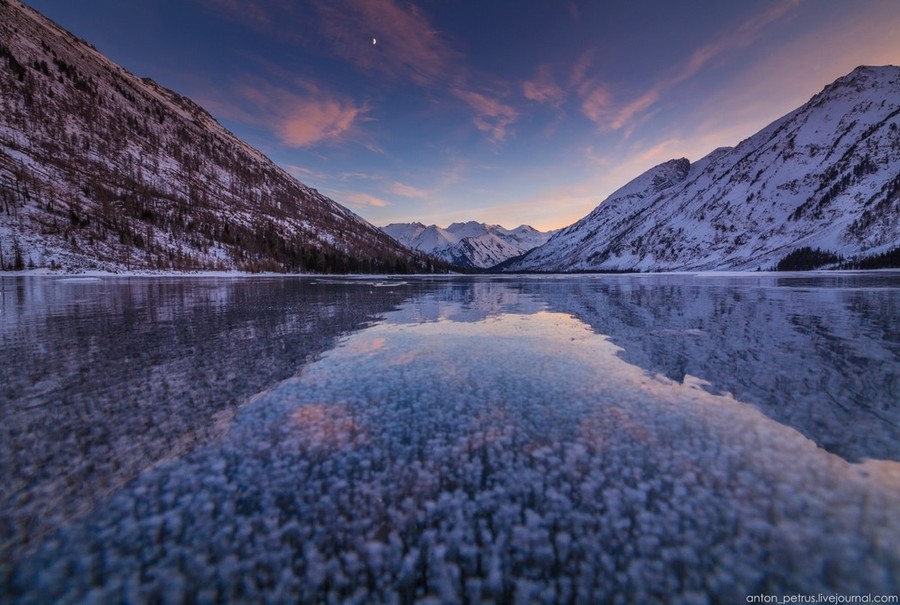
468, 244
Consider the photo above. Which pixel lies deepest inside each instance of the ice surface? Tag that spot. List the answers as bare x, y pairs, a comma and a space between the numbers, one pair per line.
103, 378
479, 443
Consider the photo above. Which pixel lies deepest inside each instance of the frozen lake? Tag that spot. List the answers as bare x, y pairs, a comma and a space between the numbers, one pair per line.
574, 439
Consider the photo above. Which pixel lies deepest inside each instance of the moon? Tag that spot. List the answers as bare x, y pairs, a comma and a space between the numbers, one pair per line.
374, 41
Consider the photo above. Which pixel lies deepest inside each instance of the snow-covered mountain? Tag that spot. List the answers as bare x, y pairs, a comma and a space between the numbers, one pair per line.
825, 176
471, 244
102, 169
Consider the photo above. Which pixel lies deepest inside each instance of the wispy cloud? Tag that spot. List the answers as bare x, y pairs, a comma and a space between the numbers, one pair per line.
312, 121
366, 176
599, 106
625, 114
408, 48
740, 37
542, 88
597, 103
491, 115
361, 200
578, 75
407, 45
660, 152
404, 190
302, 172
303, 116
778, 82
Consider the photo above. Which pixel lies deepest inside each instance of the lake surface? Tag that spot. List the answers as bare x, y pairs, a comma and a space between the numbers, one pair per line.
632, 438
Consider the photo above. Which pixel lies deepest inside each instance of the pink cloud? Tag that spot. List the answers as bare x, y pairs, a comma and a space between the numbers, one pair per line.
597, 104
408, 48
364, 200
405, 190
597, 100
304, 118
660, 151
600, 108
314, 121
491, 115
352, 176
543, 88
578, 76
740, 37
626, 113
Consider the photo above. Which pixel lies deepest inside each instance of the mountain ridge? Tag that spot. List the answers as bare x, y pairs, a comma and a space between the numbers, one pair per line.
101, 169
824, 175
470, 245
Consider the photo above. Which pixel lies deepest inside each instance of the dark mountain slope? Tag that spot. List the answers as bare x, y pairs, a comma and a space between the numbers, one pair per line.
101, 169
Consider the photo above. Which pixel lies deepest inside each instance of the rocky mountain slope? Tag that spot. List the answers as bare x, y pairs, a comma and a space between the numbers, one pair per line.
825, 176
473, 245
101, 169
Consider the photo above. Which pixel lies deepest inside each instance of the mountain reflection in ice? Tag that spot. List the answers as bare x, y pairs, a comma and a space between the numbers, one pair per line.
102, 378
820, 354
481, 442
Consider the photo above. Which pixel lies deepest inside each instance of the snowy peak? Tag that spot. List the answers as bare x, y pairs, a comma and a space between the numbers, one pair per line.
470, 229
669, 173
863, 78
826, 175
405, 233
470, 244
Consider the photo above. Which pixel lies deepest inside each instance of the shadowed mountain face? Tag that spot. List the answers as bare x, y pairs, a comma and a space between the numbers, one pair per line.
101, 169
102, 379
825, 176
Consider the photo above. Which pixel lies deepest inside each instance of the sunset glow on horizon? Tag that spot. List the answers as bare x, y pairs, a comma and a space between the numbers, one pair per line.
527, 112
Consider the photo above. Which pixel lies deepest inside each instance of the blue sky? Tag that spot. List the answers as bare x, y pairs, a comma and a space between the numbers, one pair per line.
505, 112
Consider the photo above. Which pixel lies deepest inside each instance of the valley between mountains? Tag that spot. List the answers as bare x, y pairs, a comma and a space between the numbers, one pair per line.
102, 170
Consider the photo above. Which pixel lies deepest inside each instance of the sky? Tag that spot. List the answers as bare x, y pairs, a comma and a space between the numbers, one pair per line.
501, 111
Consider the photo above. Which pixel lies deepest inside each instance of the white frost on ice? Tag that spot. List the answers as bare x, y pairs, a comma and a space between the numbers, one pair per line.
512, 458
